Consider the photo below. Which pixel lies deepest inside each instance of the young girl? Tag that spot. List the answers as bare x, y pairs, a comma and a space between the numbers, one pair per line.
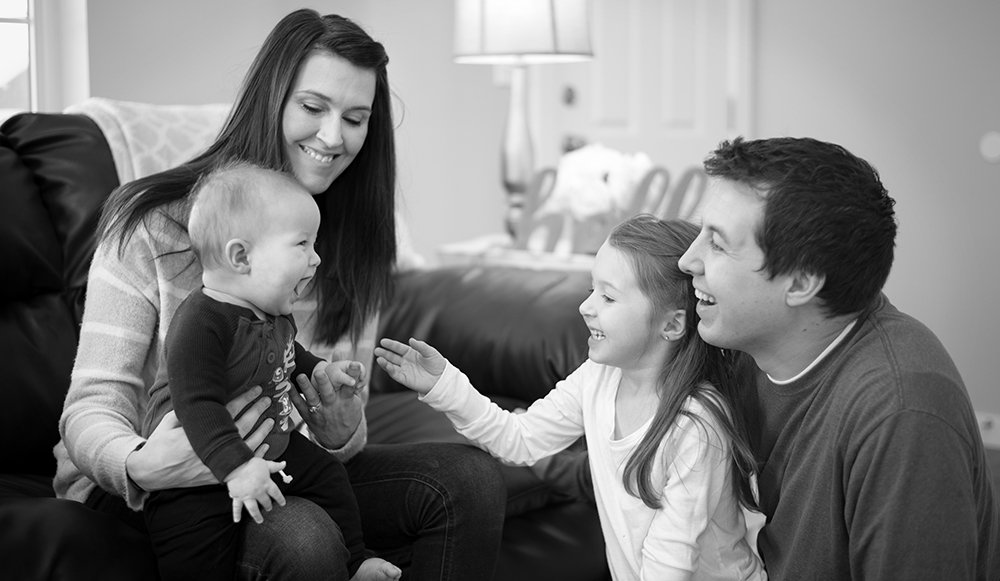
670, 463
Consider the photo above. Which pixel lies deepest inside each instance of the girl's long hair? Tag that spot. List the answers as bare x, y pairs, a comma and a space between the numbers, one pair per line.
357, 242
654, 247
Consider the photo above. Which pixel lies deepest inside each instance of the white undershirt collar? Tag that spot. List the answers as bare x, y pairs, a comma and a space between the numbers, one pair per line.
816, 361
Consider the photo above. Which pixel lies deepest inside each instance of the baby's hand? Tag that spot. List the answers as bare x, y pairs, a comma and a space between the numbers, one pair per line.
417, 366
251, 484
344, 374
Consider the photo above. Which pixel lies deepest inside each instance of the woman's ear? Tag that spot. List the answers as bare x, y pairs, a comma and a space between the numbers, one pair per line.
238, 255
675, 325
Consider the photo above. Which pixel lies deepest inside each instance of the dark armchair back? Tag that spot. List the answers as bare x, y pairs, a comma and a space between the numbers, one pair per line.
55, 173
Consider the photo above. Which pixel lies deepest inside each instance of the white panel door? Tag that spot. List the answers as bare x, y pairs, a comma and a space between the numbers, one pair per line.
670, 78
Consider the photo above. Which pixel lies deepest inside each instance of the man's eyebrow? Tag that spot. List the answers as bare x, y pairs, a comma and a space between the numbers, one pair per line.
715, 230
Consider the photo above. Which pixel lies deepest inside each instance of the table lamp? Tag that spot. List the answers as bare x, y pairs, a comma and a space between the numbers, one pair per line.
519, 33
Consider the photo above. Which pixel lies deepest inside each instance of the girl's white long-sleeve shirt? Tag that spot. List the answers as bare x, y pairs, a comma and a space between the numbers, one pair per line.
699, 531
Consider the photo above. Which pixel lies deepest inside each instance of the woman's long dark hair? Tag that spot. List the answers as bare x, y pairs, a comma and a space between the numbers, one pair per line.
357, 242
654, 247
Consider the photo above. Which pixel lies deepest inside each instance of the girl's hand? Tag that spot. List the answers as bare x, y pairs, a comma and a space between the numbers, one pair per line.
168, 460
250, 486
332, 412
417, 366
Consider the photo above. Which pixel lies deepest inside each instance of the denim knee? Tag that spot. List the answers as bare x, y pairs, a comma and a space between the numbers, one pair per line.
473, 480
295, 541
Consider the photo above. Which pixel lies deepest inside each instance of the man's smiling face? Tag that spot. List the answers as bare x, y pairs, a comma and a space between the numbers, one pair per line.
740, 308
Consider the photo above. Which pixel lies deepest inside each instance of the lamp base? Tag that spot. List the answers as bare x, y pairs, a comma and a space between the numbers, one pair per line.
516, 154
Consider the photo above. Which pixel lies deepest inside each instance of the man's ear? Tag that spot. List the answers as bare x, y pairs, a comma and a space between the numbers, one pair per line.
675, 325
803, 287
238, 255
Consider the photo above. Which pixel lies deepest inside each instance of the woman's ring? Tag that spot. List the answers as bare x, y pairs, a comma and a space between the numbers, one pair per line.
315, 408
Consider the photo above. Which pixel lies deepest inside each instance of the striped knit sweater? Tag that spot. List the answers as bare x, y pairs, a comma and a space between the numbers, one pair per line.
131, 300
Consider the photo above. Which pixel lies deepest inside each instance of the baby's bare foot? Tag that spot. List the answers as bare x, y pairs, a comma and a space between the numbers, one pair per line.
376, 569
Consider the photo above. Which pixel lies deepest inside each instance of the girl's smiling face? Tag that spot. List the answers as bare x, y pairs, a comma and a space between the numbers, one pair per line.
623, 330
325, 118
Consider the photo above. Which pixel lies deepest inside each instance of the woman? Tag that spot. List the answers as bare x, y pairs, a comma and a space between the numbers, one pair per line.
316, 103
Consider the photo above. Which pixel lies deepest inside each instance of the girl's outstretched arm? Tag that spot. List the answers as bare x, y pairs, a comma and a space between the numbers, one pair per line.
418, 366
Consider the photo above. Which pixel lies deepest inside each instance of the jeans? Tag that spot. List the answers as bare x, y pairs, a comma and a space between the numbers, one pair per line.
193, 532
434, 510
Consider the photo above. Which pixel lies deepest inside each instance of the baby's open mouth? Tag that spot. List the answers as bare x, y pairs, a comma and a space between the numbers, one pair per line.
300, 288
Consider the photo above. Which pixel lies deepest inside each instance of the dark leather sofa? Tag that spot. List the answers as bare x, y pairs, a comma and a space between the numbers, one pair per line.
514, 332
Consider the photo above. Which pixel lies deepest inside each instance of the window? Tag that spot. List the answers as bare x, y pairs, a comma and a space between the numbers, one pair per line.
44, 58
16, 86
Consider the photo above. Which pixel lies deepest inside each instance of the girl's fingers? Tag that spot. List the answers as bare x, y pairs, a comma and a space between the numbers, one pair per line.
393, 346
390, 356
422, 348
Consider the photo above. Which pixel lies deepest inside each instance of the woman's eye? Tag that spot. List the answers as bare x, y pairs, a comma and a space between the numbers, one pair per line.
311, 109
353, 122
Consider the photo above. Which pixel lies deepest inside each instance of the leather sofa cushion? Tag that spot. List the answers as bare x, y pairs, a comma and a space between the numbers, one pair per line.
514, 332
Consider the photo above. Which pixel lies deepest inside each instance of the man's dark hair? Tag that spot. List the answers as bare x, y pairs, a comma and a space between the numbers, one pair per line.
825, 212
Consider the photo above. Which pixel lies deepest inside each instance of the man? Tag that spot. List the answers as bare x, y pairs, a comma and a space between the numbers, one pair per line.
871, 465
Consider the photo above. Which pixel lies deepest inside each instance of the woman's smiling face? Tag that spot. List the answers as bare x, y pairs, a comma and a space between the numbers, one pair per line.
325, 118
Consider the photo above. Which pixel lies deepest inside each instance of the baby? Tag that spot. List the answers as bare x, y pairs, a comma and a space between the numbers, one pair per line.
253, 231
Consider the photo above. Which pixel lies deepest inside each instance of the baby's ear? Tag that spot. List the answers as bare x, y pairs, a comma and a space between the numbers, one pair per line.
674, 325
238, 255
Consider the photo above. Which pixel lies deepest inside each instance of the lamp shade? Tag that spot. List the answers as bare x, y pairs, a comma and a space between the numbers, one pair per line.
521, 31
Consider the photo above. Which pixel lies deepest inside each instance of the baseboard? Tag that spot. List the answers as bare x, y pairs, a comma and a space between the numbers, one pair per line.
989, 427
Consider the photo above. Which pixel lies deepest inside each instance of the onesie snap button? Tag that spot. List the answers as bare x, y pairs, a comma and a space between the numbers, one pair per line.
270, 357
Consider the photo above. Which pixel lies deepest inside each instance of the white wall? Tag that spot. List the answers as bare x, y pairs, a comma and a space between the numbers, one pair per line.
911, 85
449, 116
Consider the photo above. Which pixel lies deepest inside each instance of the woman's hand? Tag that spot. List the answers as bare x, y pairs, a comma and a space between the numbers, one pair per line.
417, 365
332, 412
168, 460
